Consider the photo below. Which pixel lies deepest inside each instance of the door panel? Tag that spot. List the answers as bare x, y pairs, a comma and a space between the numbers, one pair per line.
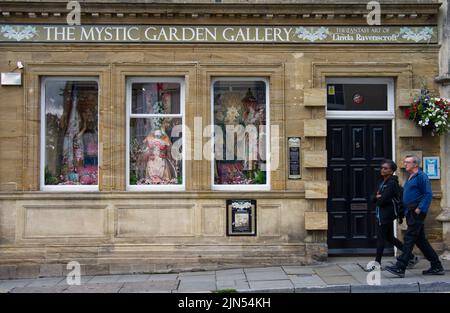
355, 150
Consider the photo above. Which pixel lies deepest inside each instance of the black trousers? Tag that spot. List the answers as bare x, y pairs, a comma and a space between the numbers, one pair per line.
385, 232
415, 235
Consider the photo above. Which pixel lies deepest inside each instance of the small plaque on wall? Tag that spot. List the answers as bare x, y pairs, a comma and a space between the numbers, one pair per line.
294, 157
241, 217
432, 167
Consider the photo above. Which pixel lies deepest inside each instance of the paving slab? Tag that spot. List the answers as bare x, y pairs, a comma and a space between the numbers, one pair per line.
17, 283
187, 286
149, 286
232, 284
230, 272
40, 289
104, 279
46, 282
356, 272
237, 274
232, 277
133, 278
324, 289
83, 280
339, 280
306, 280
409, 277
285, 286
157, 277
390, 288
334, 270
200, 273
274, 273
295, 270
95, 288
194, 279
435, 287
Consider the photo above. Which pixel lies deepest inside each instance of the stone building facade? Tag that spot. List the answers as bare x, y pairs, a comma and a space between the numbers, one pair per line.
444, 81
77, 180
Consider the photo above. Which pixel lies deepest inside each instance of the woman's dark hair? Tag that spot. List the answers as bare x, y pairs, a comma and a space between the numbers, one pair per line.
391, 164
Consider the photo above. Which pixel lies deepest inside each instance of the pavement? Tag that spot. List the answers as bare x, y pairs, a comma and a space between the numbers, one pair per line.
342, 275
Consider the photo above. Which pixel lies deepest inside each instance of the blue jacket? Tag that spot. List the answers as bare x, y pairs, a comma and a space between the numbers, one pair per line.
417, 190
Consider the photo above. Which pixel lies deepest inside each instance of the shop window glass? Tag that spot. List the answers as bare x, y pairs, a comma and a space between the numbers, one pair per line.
70, 132
357, 97
240, 110
155, 133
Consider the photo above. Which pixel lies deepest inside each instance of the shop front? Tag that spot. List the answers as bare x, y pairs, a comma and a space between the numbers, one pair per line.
159, 138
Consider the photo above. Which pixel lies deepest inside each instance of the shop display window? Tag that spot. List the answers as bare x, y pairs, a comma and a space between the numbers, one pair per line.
69, 154
240, 106
155, 132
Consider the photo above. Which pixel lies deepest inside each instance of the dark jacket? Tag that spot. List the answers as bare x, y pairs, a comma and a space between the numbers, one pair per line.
388, 189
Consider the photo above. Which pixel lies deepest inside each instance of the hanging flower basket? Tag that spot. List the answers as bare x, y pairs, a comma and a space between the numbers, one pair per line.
430, 112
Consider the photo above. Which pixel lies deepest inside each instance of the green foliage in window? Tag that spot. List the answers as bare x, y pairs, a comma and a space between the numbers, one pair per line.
50, 179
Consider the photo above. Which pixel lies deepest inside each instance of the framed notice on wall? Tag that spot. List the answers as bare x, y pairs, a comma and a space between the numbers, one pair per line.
294, 158
432, 167
241, 217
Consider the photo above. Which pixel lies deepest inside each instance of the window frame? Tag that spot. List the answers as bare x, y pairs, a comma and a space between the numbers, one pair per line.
74, 188
370, 114
155, 79
242, 187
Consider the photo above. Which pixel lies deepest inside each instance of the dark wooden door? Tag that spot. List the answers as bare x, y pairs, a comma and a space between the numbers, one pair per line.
355, 150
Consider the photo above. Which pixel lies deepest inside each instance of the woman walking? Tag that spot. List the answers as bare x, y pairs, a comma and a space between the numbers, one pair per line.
388, 190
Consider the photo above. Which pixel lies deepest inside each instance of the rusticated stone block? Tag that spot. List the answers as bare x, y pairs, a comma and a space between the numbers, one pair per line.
315, 128
316, 190
316, 220
405, 96
315, 159
315, 97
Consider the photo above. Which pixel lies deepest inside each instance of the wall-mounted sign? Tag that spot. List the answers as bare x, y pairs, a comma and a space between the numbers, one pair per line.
432, 167
11, 79
294, 34
294, 157
241, 217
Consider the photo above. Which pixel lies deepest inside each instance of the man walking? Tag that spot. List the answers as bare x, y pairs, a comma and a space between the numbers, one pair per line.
417, 197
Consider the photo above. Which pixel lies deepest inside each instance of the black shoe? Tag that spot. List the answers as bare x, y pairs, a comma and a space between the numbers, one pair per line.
395, 271
438, 270
413, 261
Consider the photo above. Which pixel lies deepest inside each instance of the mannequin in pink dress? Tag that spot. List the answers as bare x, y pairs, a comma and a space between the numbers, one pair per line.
159, 169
